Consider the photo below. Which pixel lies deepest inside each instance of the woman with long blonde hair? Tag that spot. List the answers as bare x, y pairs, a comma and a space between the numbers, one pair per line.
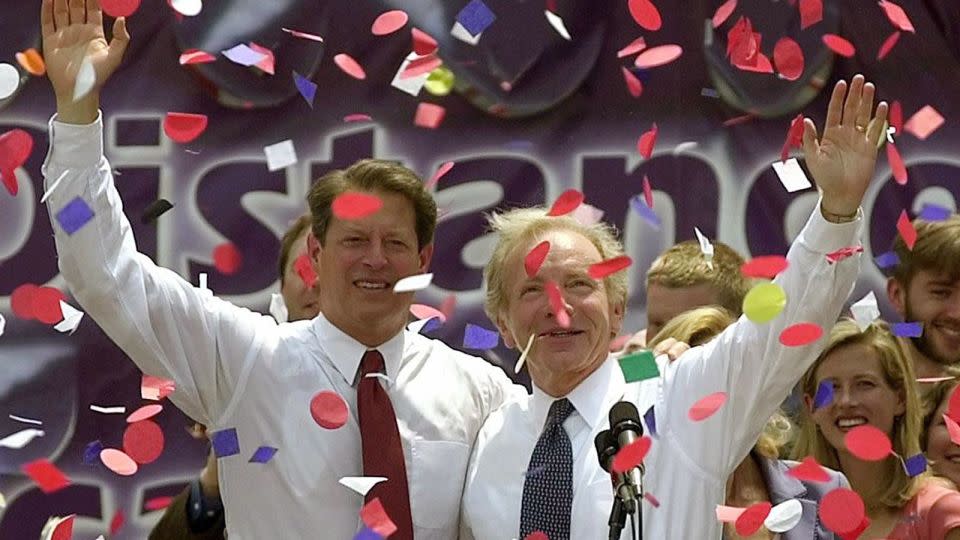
761, 476
873, 384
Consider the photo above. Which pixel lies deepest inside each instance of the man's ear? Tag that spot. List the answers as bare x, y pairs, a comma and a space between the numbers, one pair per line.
313, 247
426, 255
508, 338
897, 294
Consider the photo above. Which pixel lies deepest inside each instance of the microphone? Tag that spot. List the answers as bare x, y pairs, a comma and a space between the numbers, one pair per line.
606, 445
625, 428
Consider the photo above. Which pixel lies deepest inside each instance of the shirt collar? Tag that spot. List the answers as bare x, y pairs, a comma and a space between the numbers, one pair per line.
588, 397
345, 352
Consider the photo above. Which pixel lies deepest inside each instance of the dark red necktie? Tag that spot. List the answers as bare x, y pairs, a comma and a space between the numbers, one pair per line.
382, 449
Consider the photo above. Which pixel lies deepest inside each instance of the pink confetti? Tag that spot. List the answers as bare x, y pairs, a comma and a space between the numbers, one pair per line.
355, 205
608, 267
184, 127
357, 117
444, 169
389, 22
645, 14
924, 122
143, 442
788, 56
567, 202
767, 266
631, 455
329, 410
429, 115
723, 12
118, 462
839, 45
800, 334
868, 443
423, 311
752, 518
350, 66
303, 35
143, 413
227, 258
811, 12
157, 503
841, 510
196, 56
647, 192
888, 45
534, 259
634, 86
647, 141
809, 470
267, 64
423, 43
897, 16
707, 406
558, 304
375, 517
119, 8
658, 56
632, 48
15, 148
906, 230
897, 166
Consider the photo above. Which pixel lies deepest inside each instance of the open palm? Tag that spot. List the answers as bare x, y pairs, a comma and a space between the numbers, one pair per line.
843, 160
72, 35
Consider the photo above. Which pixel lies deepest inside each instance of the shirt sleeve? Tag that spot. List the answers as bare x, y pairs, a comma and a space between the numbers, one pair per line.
168, 327
943, 515
748, 363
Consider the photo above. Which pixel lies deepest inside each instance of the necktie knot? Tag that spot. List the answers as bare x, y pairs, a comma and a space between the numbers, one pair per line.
372, 362
560, 410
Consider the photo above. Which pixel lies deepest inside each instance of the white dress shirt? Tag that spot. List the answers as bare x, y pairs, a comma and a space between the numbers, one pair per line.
235, 368
689, 462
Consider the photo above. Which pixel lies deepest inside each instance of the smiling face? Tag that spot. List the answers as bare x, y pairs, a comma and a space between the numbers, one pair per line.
360, 262
933, 299
942, 452
861, 394
560, 357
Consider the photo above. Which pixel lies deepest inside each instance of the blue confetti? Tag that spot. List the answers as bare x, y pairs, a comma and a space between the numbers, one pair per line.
478, 337
367, 534
307, 88
263, 454
225, 442
640, 206
91, 453
475, 17
650, 419
74, 215
431, 325
907, 329
915, 465
887, 260
709, 92
824, 395
934, 212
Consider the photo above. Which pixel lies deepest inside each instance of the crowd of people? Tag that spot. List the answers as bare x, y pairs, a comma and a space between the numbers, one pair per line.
465, 452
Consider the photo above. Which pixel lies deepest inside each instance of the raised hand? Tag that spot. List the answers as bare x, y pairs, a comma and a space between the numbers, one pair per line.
843, 160
73, 34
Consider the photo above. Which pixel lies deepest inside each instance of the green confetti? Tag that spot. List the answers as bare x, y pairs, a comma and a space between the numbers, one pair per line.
639, 366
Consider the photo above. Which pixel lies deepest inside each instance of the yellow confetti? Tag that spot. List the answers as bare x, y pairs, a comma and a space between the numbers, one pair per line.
764, 302
440, 81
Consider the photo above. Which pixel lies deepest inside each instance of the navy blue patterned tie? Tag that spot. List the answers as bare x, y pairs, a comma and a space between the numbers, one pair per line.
548, 486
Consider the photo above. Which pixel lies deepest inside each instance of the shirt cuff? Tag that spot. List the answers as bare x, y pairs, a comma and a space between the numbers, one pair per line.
825, 237
75, 145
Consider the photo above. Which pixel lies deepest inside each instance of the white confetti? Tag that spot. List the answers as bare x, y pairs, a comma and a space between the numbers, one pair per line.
188, 8
86, 80
244, 55
587, 215
523, 356
791, 175
705, 247
71, 318
18, 440
108, 410
683, 147
3, 324
557, 23
9, 80
25, 420
865, 311
52, 187
410, 85
278, 308
304, 35
3, 501
361, 484
413, 283
784, 516
460, 32
280, 155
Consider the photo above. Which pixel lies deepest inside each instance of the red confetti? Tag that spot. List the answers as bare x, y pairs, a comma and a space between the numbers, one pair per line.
752, 518
119, 8
631, 455
794, 137
567, 202
117, 522
788, 56
268, 63
953, 406
15, 148
534, 259
897, 16
184, 127
328, 409
658, 56
855, 534
227, 258
423, 311
707, 406
304, 268
767, 266
423, 43
196, 56
887, 46
157, 503
46, 475
355, 205
652, 500
906, 230
647, 141
839, 45
811, 12
634, 86
21, 301
647, 192
64, 529
843, 253
558, 304
897, 167
809, 470
421, 65
841, 510
143, 413
375, 517
448, 305
800, 334
389, 22
868, 443
646, 14
536, 535
723, 12
357, 117
444, 169
350, 66
46, 305
429, 115
143, 442
633, 47
896, 115
952, 428
608, 267
924, 122
156, 387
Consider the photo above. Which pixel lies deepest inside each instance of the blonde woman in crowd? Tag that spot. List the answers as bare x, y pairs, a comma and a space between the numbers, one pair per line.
761, 476
873, 383
942, 453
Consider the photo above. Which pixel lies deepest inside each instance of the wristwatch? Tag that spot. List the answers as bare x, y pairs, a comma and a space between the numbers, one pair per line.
202, 512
